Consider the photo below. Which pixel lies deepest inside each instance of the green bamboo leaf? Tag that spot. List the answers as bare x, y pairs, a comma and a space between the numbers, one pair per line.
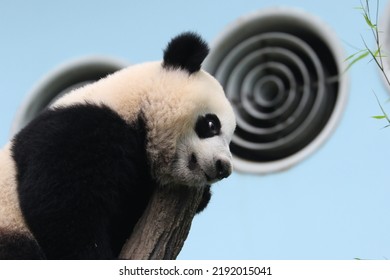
368, 21
353, 55
356, 59
378, 117
377, 53
383, 111
350, 57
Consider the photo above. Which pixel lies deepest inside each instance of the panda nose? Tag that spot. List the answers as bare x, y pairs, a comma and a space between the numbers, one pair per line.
223, 168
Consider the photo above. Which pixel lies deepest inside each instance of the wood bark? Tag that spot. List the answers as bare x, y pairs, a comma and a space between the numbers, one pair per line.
161, 231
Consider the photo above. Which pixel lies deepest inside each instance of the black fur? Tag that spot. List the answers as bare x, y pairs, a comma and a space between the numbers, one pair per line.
205, 199
17, 246
83, 181
186, 51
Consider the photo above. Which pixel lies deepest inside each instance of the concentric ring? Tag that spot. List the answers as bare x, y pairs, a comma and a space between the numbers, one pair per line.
282, 71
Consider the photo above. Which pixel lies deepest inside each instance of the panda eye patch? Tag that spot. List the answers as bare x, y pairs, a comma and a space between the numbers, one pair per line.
207, 126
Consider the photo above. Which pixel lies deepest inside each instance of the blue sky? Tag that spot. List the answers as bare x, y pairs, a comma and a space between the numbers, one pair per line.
333, 205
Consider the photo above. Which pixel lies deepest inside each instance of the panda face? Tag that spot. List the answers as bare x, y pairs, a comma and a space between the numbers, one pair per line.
203, 156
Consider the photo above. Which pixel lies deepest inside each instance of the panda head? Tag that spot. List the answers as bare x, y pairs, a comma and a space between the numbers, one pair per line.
191, 127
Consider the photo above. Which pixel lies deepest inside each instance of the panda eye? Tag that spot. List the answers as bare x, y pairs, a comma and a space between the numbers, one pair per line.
208, 126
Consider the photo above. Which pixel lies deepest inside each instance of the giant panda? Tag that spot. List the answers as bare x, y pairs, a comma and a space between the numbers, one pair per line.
76, 179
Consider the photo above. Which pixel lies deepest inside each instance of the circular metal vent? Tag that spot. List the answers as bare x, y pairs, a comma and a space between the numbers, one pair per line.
282, 71
62, 80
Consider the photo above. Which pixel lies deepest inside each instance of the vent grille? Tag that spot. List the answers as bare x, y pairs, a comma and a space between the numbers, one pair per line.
282, 71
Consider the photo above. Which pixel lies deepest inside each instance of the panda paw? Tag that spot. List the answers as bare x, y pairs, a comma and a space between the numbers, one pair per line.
205, 199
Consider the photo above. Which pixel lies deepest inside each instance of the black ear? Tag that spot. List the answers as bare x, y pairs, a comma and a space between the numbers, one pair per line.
185, 51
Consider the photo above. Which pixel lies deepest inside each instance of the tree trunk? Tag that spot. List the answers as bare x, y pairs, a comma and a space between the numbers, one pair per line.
161, 231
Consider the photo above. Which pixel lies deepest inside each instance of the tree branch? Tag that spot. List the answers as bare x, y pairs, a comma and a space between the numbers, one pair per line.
161, 231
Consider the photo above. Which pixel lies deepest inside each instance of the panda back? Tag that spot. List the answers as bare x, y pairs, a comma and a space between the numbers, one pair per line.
83, 180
